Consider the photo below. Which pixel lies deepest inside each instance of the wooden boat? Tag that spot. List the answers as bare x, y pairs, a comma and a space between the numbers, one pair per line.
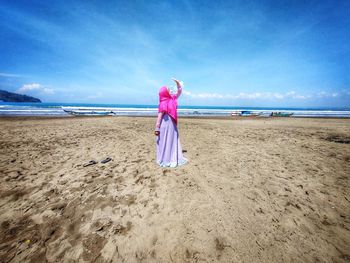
281, 114
87, 112
245, 113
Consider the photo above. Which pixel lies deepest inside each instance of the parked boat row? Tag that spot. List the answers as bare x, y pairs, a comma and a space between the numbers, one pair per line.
86, 111
247, 113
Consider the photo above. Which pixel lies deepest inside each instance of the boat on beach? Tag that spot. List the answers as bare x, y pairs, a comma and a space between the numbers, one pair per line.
88, 112
245, 113
281, 114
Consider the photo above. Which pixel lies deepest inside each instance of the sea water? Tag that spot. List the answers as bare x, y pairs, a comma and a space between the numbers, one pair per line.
56, 109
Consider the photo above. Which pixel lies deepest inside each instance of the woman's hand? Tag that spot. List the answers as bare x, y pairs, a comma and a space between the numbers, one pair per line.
156, 132
178, 82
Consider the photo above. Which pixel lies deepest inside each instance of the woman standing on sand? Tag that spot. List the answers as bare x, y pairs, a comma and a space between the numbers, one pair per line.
169, 151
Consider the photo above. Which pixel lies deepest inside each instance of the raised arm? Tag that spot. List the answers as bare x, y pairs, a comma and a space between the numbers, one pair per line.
179, 85
179, 90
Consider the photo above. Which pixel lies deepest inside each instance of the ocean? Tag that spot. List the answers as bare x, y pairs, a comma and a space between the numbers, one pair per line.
57, 109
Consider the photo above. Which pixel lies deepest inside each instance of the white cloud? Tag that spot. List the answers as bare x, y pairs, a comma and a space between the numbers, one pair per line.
278, 96
206, 95
243, 95
253, 96
97, 95
324, 94
268, 95
294, 95
35, 87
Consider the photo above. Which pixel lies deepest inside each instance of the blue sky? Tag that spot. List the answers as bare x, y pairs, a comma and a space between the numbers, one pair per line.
234, 53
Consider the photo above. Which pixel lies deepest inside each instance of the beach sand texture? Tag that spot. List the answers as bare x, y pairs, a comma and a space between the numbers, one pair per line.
255, 190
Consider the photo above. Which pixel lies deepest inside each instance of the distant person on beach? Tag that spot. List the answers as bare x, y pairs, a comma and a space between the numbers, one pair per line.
169, 151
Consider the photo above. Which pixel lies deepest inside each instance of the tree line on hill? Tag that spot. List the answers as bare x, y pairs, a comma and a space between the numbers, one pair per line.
6, 96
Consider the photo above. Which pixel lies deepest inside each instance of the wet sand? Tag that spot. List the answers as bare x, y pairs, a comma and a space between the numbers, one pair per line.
255, 190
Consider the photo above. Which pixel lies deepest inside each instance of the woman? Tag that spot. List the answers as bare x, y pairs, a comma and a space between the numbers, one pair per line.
169, 151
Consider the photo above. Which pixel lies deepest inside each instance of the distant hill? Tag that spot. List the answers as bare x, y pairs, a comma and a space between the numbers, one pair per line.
14, 97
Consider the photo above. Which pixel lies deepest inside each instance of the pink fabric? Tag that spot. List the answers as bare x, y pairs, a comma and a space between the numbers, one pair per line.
168, 103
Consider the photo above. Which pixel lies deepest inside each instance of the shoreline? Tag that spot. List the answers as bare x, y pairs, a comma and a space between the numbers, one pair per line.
43, 117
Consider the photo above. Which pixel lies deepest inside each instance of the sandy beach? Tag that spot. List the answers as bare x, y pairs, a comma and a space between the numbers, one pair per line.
254, 190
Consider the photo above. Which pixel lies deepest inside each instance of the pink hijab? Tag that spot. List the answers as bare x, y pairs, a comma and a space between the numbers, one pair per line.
168, 103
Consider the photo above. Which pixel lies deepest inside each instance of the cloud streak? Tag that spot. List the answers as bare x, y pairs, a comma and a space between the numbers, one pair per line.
10, 75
